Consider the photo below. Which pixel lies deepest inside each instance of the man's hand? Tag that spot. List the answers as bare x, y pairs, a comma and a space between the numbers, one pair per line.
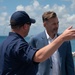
68, 34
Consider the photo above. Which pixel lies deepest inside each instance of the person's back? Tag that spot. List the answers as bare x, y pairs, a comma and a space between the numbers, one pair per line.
15, 62
16, 56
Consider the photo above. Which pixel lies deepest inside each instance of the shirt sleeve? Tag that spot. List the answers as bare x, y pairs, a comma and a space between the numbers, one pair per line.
25, 52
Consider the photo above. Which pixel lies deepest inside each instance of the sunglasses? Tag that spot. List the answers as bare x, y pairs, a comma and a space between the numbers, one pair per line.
28, 23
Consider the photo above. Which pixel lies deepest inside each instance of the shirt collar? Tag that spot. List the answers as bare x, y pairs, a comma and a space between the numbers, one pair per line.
15, 34
48, 37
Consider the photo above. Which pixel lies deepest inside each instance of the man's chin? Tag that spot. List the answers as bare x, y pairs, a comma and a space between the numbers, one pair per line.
55, 33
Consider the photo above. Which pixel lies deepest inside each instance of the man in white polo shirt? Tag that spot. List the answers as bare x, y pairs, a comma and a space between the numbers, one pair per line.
61, 62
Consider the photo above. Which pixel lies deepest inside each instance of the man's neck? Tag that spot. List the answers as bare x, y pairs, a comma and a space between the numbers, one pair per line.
51, 35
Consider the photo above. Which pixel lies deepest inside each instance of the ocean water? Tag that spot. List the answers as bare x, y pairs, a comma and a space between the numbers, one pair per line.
28, 37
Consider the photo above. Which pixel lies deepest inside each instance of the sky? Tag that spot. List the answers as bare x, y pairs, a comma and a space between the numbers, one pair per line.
65, 10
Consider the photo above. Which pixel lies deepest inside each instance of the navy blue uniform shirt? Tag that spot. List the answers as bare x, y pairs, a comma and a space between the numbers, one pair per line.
16, 56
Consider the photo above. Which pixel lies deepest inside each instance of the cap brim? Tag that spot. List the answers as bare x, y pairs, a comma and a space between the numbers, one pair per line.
32, 20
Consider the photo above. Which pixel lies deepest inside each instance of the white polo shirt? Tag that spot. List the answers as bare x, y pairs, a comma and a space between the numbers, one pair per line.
55, 70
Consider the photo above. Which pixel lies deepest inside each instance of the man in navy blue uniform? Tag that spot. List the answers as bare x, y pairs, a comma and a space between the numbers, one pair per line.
17, 57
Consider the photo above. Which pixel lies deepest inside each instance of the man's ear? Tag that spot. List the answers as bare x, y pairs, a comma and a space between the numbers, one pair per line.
44, 23
25, 26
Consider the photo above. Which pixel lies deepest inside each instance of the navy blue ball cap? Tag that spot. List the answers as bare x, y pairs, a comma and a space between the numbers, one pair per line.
20, 18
